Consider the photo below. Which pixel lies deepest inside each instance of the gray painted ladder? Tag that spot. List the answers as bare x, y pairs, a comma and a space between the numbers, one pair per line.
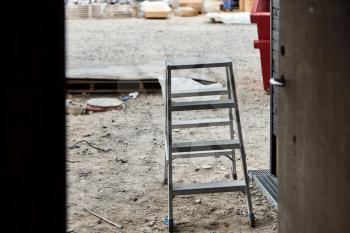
203, 148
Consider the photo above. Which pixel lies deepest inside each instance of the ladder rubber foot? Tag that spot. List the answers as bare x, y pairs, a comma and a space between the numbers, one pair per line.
251, 219
171, 226
235, 176
165, 181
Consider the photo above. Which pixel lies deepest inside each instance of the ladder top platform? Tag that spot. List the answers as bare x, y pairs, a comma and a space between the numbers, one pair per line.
197, 62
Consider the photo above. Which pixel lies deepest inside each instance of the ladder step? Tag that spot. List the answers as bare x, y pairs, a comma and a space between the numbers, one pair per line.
201, 154
201, 105
205, 146
200, 123
212, 187
204, 92
197, 62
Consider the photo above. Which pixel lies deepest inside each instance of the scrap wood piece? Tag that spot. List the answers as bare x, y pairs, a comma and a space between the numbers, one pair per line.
103, 218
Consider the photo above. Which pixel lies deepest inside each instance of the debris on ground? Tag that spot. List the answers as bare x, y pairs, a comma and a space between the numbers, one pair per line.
165, 220
230, 18
76, 145
207, 167
103, 218
133, 95
121, 160
74, 108
125, 98
198, 201
104, 104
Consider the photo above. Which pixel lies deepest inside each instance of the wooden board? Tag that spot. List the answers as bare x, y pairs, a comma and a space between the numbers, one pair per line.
110, 86
155, 9
152, 14
186, 11
150, 71
245, 5
195, 4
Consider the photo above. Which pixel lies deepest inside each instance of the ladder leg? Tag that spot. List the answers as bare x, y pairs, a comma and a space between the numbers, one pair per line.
169, 152
166, 163
233, 157
165, 180
243, 155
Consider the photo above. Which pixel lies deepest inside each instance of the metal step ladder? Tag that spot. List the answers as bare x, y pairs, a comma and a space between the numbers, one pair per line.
203, 148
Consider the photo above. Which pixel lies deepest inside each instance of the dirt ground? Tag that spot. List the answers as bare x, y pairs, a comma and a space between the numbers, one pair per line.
123, 181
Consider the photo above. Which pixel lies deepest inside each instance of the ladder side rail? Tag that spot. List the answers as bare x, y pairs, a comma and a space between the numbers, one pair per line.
243, 155
232, 134
169, 143
166, 154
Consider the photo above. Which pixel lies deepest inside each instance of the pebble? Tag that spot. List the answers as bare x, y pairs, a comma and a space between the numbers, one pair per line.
151, 223
274, 226
121, 160
198, 201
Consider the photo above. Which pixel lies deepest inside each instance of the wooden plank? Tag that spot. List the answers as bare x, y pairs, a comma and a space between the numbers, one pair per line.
108, 86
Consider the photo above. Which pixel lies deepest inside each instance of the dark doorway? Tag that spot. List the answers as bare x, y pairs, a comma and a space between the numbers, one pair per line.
33, 119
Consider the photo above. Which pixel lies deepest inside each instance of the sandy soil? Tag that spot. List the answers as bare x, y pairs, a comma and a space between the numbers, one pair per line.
124, 181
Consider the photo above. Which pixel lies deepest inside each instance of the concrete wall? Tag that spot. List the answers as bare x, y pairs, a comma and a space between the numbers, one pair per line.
314, 123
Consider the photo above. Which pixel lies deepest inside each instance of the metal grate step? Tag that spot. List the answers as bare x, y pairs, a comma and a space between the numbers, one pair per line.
200, 123
267, 183
212, 187
205, 146
201, 105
